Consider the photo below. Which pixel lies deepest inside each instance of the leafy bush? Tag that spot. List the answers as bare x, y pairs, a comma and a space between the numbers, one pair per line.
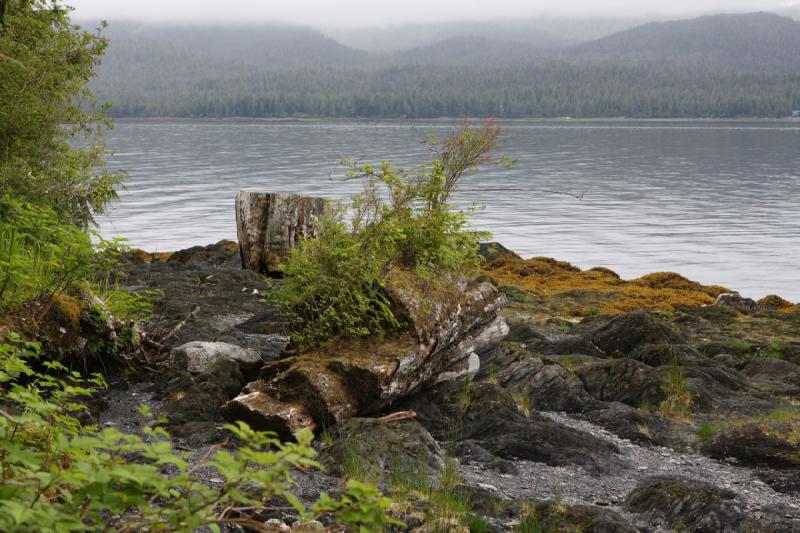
336, 284
41, 256
61, 475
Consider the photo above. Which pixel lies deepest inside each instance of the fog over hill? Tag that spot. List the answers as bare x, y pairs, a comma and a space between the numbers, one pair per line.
721, 65
537, 32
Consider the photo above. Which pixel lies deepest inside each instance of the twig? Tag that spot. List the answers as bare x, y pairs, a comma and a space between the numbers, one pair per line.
397, 417
183, 322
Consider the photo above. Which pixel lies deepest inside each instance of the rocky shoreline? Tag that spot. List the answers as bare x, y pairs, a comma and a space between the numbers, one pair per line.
608, 406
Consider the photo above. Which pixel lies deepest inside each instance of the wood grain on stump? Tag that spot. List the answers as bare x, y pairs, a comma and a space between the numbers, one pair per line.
269, 225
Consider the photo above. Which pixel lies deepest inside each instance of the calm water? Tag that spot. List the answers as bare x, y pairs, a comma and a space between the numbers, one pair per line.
716, 201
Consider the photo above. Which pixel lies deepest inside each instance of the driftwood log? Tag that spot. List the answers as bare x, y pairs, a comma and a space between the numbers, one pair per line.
269, 225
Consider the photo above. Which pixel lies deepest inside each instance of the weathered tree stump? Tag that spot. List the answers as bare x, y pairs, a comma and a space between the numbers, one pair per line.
269, 225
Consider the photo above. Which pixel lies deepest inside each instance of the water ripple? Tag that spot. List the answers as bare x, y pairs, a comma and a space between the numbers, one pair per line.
716, 201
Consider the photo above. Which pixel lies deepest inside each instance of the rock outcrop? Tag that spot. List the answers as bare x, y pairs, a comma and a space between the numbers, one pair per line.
322, 387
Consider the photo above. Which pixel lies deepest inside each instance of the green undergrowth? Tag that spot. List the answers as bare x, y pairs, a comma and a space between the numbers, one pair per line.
335, 285
781, 422
61, 474
678, 398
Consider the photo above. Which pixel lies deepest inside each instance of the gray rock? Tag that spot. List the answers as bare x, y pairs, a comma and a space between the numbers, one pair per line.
737, 303
202, 356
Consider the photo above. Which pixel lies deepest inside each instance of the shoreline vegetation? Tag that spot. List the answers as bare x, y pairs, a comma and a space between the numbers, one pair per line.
398, 375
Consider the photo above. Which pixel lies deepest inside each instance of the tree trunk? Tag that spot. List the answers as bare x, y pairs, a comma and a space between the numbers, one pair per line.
269, 225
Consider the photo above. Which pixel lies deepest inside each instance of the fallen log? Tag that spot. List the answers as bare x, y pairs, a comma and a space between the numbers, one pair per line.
269, 225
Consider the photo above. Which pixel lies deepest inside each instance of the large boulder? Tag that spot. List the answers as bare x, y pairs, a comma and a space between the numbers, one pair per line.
357, 378
379, 451
201, 357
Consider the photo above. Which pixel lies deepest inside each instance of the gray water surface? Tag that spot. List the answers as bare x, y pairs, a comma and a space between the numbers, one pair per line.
718, 202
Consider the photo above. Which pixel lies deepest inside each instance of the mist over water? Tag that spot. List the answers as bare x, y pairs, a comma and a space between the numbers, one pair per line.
718, 202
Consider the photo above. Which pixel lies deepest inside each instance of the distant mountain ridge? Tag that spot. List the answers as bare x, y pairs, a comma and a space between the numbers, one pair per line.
754, 42
721, 65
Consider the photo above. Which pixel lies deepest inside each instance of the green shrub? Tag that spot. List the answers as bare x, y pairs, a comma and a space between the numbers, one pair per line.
774, 350
40, 256
678, 398
61, 475
335, 285
707, 430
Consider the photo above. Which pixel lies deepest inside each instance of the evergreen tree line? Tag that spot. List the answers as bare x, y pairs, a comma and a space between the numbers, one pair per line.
553, 90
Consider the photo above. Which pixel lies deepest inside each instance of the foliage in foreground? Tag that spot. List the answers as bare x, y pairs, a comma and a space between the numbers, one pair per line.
40, 256
403, 220
61, 475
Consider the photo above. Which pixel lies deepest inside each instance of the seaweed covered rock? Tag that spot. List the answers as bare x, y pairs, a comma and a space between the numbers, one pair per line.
359, 377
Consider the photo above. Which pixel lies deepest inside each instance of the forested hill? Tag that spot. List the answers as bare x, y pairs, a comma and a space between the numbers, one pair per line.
758, 42
725, 66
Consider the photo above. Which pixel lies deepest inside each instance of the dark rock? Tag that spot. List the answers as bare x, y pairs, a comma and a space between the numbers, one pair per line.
665, 354
400, 451
268, 346
726, 359
737, 303
525, 333
222, 255
636, 335
786, 481
486, 415
736, 348
193, 403
622, 380
695, 505
472, 453
637, 425
750, 444
585, 518
490, 251
547, 384
567, 345
714, 386
775, 376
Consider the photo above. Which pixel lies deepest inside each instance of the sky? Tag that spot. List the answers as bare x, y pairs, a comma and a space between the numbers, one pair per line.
344, 13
